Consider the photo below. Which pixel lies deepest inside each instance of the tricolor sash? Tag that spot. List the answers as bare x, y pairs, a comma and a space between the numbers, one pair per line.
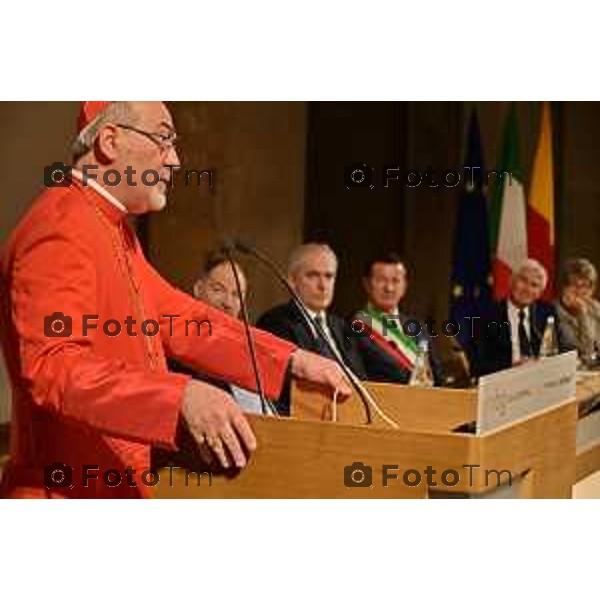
390, 338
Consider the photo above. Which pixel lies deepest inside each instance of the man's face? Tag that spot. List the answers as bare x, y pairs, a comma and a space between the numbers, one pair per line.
219, 290
386, 285
527, 287
314, 279
142, 152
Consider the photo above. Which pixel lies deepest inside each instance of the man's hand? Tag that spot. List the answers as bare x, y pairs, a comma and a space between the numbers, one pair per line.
523, 360
317, 369
215, 420
573, 301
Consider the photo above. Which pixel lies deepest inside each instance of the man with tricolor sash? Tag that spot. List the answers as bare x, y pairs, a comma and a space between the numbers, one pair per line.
388, 339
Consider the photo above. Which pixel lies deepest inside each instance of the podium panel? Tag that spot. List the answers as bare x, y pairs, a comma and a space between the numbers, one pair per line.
309, 456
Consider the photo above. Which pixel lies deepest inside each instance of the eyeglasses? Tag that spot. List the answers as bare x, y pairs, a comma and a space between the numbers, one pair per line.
165, 141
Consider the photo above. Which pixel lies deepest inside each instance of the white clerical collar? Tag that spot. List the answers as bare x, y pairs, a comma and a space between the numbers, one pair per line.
98, 188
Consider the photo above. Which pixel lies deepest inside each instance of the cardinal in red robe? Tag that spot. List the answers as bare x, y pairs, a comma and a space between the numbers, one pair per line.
87, 324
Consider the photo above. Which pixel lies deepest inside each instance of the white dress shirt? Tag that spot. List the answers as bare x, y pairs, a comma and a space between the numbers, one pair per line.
513, 319
248, 401
326, 330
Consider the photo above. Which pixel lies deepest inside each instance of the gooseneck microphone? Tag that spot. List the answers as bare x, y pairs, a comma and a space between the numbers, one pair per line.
227, 249
250, 249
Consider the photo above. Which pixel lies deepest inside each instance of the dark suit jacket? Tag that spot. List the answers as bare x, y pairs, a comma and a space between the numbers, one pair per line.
286, 321
495, 345
381, 366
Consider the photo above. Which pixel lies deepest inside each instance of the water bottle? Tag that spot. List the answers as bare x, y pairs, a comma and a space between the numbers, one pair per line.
421, 374
549, 347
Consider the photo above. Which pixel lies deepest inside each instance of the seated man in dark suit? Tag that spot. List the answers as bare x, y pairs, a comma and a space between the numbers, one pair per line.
512, 335
216, 286
311, 272
392, 337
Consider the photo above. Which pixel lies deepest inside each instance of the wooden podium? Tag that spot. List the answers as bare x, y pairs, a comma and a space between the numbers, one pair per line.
309, 456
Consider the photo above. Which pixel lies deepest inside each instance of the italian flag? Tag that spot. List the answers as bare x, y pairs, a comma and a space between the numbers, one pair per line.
508, 215
540, 210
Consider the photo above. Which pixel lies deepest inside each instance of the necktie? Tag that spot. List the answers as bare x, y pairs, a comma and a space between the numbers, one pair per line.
323, 347
524, 342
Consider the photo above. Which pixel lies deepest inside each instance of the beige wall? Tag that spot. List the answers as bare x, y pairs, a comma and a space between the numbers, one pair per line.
257, 152
34, 134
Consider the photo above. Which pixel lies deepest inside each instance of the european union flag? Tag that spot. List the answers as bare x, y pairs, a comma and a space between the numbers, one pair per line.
470, 289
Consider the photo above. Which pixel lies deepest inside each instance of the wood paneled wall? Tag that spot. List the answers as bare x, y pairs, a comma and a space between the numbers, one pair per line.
256, 151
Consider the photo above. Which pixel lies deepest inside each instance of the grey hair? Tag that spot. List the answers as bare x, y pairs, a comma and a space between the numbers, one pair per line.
115, 112
580, 268
299, 254
530, 264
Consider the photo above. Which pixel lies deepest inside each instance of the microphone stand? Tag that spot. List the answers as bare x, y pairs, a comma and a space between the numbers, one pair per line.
249, 338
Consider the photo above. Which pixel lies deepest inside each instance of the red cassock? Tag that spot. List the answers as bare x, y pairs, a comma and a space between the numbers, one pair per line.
89, 398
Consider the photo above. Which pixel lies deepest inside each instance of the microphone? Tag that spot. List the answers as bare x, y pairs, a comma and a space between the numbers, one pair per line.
247, 247
228, 248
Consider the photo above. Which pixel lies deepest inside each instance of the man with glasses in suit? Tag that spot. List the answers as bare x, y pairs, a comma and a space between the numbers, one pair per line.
83, 396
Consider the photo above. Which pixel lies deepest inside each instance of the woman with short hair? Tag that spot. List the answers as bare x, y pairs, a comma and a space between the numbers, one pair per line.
578, 310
